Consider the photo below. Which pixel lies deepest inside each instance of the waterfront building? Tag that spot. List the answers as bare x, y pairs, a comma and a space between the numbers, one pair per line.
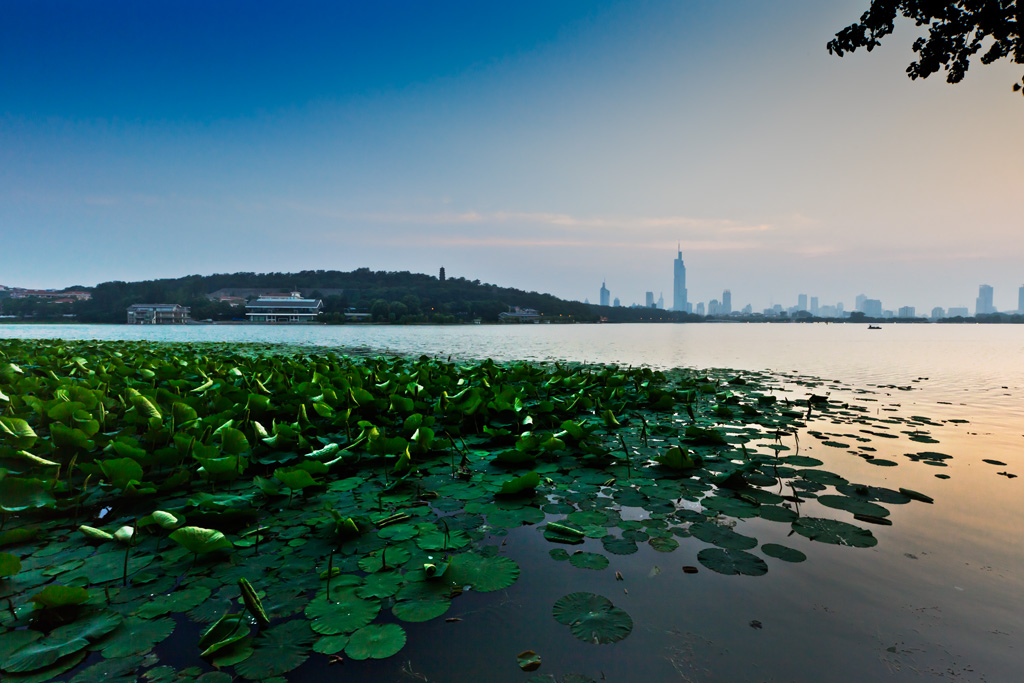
814, 305
661, 301
617, 302
1020, 301
679, 302
801, 302
907, 312
605, 295
859, 305
938, 313
158, 314
283, 308
958, 312
515, 314
983, 304
700, 308
649, 300
726, 302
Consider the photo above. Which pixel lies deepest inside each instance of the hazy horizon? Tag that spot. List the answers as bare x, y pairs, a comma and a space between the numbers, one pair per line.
543, 146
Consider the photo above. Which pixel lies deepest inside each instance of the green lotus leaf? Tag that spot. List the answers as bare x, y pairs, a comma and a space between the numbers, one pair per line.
278, 650
345, 612
394, 556
723, 537
422, 600
439, 540
166, 520
329, 645
559, 554
17, 432
732, 561
199, 540
528, 660
118, 670
378, 641
121, 471
483, 574
92, 626
677, 458
12, 641
582, 560
663, 544
854, 505
252, 602
592, 618
18, 493
228, 653
181, 600
125, 534
916, 495
59, 596
42, 653
136, 636
143, 405
775, 513
9, 565
526, 483
226, 627
380, 585
95, 534
294, 478
781, 552
835, 532
619, 546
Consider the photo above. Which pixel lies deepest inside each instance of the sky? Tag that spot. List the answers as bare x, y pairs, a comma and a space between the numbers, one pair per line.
547, 146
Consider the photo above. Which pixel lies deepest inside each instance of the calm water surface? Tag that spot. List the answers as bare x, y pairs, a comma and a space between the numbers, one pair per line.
941, 597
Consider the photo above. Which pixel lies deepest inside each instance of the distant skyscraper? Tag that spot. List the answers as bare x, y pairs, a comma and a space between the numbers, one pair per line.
957, 312
726, 302
983, 305
679, 302
605, 295
700, 308
649, 301
814, 305
872, 308
661, 301
801, 302
1020, 301
859, 306
907, 312
938, 313
617, 302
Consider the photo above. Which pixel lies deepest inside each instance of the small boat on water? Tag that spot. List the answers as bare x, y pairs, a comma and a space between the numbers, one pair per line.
874, 327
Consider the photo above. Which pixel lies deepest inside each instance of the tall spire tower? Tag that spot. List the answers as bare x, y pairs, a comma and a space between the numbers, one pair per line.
679, 302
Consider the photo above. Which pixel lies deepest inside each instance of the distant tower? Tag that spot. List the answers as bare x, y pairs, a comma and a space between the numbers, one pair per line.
649, 301
440, 276
661, 301
801, 302
726, 302
617, 302
859, 305
984, 303
1020, 301
814, 305
679, 283
700, 308
605, 295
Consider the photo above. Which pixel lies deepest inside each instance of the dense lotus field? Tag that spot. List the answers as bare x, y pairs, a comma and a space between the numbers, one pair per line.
300, 504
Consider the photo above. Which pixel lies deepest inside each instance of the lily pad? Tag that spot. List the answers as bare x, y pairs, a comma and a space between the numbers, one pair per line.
377, 641
592, 618
344, 613
732, 561
483, 574
781, 552
723, 537
278, 650
583, 560
835, 532
137, 636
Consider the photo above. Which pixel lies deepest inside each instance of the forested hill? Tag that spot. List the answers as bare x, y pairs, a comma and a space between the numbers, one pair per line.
394, 296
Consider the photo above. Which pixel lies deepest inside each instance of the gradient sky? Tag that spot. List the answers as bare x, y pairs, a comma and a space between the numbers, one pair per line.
540, 145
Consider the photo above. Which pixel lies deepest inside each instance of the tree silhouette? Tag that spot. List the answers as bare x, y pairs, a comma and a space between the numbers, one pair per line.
957, 31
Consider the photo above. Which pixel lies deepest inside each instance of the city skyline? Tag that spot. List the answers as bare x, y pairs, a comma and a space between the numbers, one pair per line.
526, 145
874, 307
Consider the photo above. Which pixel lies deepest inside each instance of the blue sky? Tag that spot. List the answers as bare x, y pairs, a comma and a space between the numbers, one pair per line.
541, 145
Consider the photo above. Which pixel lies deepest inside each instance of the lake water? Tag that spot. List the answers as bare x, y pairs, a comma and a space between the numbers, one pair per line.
941, 597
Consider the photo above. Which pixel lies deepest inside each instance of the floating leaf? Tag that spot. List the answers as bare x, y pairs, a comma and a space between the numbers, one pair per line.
9, 565
199, 540
592, 618
137, 636
732, 561
583, 560
59, 596
278, 650
723, 537
483, 574
832, 531
378, 641
528, 660
781, 552
345, 612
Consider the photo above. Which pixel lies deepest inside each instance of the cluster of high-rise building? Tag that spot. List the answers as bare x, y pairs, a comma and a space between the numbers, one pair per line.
805, 306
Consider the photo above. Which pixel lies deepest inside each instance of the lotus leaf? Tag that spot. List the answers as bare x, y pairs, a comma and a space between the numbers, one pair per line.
723, 537
835, 532
484, 574
59, 596
781, 552
278, 650
9, 565
592, 618
378, 641
732, 561
583, 560
344, 613
137, 636
201, 541
42, 653
528, 660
